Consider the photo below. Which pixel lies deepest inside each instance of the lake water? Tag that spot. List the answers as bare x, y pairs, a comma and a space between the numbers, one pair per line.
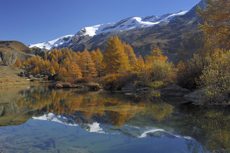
42, 119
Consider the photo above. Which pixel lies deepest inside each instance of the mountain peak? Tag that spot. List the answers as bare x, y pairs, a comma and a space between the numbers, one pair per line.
122, 25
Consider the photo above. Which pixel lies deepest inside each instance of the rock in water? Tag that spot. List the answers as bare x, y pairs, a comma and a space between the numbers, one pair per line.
174, 91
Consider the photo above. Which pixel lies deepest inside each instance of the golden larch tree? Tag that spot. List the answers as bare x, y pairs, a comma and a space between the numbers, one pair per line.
97, 58
74, 71
17, 63
56, 66
130, 53
87, 65
156, 55
215, 27
36, 70
140, 63
63, 74
115, 59
52, 71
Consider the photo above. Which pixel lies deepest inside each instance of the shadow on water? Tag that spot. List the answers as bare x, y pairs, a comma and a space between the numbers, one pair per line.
203, 128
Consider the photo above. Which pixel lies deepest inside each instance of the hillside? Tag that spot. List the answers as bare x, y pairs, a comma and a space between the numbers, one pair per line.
10, 51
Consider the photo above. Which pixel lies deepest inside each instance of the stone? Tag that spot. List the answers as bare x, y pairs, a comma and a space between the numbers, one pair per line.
67, 85
174, 91
38, 76
196, 95
129, 87
93, 86
59, 85
30, 76
75, 86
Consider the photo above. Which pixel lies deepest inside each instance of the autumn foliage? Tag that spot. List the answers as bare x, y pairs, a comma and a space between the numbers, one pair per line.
18, 63
117, 66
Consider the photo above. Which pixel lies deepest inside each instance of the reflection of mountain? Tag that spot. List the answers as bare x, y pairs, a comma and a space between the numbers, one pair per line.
56, 118
132, 131
136, 116
11, 114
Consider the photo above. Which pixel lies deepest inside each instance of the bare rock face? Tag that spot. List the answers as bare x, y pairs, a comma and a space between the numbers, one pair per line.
10, 51
174, 91
8, 58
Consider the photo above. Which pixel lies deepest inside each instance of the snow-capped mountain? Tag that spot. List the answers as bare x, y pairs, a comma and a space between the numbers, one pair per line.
64, 40
128, 23
125, 24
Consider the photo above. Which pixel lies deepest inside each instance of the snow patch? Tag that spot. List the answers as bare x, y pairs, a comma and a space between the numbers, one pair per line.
56, 118
95, 127
53, 43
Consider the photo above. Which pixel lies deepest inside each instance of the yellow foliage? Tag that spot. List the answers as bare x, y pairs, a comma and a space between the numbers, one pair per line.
115, 59
36, 70
215, 79
156, 55
87, 65
215, 26
74, 71
63, 74
18, 63
52, 71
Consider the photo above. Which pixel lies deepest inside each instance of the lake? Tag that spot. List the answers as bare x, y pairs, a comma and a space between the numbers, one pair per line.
43, 119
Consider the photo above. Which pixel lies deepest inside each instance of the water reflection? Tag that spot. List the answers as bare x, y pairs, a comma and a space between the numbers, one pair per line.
117, 108
204, 129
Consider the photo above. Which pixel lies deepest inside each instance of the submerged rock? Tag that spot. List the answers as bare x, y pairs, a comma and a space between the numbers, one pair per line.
174, 91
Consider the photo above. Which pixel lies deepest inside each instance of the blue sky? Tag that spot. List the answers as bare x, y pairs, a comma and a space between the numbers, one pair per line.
34, 21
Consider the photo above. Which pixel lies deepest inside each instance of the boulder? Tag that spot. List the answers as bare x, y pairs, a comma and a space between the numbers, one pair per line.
129, 87
63, 85
196, 96
59, 85
174, 91
67, 85
30, 76
52, 76
75, 86
38, 76
93, 86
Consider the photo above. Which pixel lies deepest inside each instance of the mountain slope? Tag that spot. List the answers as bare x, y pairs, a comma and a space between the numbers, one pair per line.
10, 51
123, 25
141, 33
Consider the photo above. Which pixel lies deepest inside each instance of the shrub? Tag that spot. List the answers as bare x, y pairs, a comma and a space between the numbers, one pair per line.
117, 81
81, 80
216, 79
191, 71
157, 71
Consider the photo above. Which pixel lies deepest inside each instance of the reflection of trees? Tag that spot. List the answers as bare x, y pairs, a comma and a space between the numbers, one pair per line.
210, 126
117, 109
216, 127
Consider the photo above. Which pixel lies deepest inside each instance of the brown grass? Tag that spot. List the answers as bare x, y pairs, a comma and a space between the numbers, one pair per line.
9, 76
